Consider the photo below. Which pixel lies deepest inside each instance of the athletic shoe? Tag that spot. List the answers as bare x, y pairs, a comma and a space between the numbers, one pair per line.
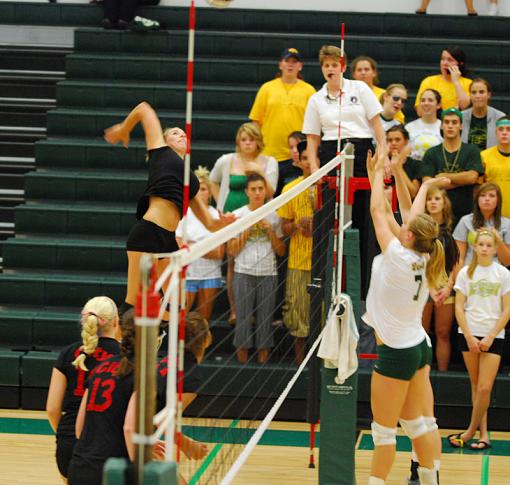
413, 482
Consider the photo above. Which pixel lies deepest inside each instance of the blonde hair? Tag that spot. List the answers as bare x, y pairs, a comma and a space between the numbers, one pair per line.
198, 337
331, 51
253, 131
426, 233
390, 89
474, 261
202, 173
98, 315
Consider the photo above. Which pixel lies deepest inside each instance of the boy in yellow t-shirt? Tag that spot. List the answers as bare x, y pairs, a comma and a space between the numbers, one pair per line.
496, 162
297, 216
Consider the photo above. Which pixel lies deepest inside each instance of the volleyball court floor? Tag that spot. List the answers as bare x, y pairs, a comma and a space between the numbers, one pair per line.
27, 456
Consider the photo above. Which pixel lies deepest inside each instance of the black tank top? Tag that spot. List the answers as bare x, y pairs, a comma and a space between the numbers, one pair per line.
166, 180
77, 379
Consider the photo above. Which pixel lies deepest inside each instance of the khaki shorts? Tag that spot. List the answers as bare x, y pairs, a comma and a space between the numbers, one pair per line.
296, 311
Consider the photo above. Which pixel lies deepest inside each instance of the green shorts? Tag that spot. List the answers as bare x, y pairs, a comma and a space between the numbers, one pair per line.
402, 363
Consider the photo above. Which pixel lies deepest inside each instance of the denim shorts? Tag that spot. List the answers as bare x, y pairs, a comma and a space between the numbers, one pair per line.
192, 286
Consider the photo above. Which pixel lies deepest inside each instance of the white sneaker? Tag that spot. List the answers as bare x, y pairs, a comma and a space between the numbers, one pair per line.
493, 9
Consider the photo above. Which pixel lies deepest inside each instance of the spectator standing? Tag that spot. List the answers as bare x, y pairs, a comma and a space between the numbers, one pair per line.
392, 100
425, 132
459, 162
364, 68
294, 138
450, 83
422, 10
228, 182
438, 206
117, 14
360, 123
486, 214
479, 121
297, 216
482, 308
496, 162
255, 274
203, 276
279, 109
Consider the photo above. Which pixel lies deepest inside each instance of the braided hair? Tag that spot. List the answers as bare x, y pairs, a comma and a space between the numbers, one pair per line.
98, 316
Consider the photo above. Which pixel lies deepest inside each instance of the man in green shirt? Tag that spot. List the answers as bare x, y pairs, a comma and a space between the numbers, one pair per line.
460, 162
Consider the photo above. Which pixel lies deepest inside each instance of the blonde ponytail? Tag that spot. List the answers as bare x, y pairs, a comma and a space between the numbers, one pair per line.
98, 316
435, 271
472, 265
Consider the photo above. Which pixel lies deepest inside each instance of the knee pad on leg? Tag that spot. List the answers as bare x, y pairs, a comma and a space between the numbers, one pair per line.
383, 435
376, 481
414, 428
428, 476
430, 423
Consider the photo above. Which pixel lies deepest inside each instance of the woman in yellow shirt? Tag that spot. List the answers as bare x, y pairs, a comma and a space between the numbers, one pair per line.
450, 83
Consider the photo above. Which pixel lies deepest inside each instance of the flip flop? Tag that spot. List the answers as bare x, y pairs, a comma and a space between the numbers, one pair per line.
474, 447
457, 442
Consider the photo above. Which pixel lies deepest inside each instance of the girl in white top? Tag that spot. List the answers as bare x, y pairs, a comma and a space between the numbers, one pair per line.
425, 132
401, 275
482, 308
486, 214
203, 276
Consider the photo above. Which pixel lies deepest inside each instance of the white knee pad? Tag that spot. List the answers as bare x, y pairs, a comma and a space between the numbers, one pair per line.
383, 435
431, 424
376, 481
414, 428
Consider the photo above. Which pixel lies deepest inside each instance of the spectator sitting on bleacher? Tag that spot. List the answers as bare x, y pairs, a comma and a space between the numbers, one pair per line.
397, 139
100, 334
364, 68
479, 121
486, 214
457, 161
392, 101
228, 182
279, 109
450, 83
425, 132
294, 138
118, 13
255, 274
496, 162
296, 216
203, 276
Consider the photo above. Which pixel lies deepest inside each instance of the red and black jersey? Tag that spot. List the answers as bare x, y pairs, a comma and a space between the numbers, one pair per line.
77, 379
192, 377
103, 435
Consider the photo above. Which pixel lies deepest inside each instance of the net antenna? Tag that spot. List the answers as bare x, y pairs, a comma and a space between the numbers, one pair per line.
338, 240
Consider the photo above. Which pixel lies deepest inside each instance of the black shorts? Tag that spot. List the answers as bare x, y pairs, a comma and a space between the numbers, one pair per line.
64, 453
147, 237
82, 474
497, 346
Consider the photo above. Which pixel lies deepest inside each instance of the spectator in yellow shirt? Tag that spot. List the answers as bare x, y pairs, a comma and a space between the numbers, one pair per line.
296, 218
450, 83
279, 109
496, 162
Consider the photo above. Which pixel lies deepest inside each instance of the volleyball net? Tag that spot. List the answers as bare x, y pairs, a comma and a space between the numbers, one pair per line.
238, 400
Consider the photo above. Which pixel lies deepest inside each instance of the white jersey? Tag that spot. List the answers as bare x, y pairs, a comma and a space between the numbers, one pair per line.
483, 294
359, 105
423, 136
397, 295
202, 268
